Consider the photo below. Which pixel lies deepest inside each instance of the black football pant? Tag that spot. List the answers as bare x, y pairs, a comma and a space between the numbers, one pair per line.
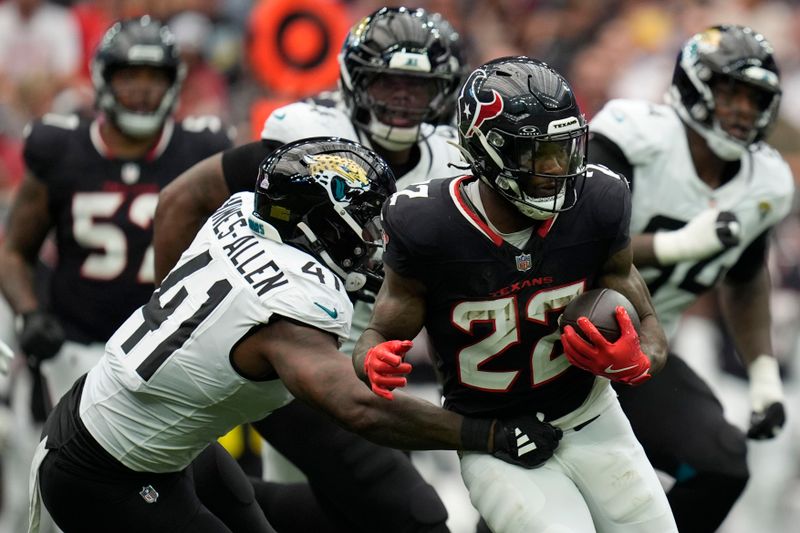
364, 487
212, 495
681, 426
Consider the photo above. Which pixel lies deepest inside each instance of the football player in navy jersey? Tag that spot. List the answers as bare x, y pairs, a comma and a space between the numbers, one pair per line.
396, 75
250, 318
486, 264
707, 190
95, 184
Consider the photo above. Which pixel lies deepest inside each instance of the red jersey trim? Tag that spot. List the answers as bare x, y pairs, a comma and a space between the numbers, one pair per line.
470, 215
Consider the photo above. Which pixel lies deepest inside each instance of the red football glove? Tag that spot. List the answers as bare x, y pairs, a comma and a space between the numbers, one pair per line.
621, 361
385, 367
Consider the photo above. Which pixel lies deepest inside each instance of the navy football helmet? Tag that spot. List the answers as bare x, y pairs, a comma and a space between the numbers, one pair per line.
137, 42
324, 195
400, 47
725, 53
513, 114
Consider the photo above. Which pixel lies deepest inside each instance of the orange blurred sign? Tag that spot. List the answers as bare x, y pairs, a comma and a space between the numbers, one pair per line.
294, 44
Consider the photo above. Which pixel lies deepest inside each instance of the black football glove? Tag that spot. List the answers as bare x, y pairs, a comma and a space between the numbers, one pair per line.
767, 424
729, 229
41, 336
522, 440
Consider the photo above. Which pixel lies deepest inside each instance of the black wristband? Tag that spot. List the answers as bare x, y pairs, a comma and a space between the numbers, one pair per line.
475, 434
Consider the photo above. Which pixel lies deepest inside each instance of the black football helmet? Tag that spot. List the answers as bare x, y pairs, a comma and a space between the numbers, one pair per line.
725, 52
402, 42
512, 112
324, 195
137, 42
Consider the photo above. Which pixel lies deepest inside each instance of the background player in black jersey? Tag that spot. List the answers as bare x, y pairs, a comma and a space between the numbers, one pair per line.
707, 191
95, 184
359, 482
486, 264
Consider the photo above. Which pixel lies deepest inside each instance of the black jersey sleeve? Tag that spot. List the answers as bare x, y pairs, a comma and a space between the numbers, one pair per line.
240, 164
611, 199
43, 146
415, 221
604, 151
397, 252
751, 260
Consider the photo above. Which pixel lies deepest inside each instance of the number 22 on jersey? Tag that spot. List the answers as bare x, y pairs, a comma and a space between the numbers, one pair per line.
502, 314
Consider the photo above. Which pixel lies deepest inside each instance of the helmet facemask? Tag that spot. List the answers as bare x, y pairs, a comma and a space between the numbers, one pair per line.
395, 74
137, 43
536, 173
324, 196
133, 123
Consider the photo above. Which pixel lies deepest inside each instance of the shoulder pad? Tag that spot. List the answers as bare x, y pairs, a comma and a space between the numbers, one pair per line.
638, 128
301, 119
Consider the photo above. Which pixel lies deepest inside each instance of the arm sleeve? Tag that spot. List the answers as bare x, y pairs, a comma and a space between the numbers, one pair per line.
751, 260
604, 151
240, 164
396, 252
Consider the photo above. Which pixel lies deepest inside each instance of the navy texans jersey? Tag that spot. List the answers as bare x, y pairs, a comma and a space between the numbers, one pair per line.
102, 208
492, 309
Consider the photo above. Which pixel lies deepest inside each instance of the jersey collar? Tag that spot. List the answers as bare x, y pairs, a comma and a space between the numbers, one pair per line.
465, 207
155, 151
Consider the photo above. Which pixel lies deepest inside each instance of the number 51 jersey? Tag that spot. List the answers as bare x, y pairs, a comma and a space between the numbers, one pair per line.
492, 309
166, 386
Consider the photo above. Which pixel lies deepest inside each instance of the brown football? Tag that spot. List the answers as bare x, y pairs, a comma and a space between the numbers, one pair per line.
599, 305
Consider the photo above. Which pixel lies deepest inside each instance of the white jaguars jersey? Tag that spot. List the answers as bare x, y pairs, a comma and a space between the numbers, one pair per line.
165, 387
305, 119
667, 193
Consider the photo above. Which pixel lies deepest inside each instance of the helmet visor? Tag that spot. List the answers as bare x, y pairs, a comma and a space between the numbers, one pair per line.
562, 155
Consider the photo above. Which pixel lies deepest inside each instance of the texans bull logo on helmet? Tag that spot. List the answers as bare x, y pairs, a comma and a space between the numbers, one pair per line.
483, 110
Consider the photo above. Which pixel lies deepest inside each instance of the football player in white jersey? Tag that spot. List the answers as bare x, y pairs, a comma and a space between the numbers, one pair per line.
250, 317
707, 190
396, 74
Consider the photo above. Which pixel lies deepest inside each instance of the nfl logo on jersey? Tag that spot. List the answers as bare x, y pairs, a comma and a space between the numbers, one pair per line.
149, 494
524, 262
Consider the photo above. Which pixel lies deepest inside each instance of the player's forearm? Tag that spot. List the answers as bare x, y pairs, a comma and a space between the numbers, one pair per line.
16, 281
643, 254
369, 338
745, 308
408, 423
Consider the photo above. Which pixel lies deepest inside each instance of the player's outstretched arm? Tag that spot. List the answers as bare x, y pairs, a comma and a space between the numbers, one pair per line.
398, 315
183, 206
620, 274
314, 371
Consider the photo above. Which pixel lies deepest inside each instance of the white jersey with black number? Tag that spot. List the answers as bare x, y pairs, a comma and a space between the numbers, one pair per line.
166, 387
303, 119
667, 193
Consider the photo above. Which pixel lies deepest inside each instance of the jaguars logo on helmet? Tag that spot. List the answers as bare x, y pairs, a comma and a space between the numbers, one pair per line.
324, 195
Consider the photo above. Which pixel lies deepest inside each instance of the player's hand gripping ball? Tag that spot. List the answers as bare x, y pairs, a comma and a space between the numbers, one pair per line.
600, 334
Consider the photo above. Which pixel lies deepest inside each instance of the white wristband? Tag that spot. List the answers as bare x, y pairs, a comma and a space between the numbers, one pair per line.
696, 240
765, 382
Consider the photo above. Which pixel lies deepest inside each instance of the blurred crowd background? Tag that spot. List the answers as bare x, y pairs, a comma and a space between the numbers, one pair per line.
241, 61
